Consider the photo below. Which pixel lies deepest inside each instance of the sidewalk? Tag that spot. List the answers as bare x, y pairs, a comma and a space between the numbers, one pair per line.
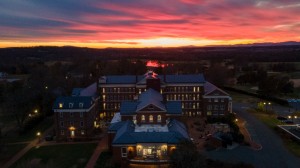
25, 150
102, 145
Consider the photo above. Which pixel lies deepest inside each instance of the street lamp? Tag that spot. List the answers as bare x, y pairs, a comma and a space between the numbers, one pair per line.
36, 111
38, 134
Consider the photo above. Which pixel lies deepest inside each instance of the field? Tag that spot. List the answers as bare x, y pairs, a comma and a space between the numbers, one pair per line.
59, 156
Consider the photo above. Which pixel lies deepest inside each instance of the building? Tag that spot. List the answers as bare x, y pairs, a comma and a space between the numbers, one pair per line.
216, 102
189, 89
146, 129
75, 116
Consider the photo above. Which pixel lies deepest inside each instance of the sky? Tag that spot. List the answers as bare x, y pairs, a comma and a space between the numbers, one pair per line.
147, 23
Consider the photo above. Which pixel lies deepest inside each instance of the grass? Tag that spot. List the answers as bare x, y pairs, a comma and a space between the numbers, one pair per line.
7, 151
105, 160
59, 156
31, 134
271, 121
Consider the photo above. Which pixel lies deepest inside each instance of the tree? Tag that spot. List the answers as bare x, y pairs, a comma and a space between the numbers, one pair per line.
186, 155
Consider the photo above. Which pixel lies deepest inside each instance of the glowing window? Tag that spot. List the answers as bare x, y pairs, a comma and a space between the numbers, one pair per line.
151, 118
61, 105
143, 117
159, 118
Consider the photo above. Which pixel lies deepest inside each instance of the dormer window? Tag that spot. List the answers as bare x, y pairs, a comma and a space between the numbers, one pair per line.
60, 105
80, 105
70, 105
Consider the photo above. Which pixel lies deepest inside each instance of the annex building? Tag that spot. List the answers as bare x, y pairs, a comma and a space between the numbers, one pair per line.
198, 97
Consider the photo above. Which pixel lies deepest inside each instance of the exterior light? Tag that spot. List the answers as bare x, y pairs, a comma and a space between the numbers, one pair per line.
295, 117
29, 115
236, 120
264, 103
35, 111
38, 134
269, 103
289, 116
46, 87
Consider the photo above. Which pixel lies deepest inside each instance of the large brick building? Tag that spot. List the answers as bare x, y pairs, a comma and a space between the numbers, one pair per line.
75, 116
193, 91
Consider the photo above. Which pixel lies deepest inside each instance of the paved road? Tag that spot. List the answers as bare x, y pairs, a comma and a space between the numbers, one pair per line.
273, 153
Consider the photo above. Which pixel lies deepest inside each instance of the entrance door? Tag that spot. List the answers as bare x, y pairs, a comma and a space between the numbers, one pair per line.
72, 133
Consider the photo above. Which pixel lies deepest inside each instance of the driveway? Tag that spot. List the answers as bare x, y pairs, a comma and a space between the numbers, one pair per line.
273, 153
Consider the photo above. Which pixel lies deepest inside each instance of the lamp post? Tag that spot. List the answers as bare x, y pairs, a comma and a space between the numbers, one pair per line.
38, 134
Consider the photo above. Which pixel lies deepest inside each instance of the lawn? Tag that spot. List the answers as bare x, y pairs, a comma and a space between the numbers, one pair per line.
105, 160
7, 151
58, 156
31, 134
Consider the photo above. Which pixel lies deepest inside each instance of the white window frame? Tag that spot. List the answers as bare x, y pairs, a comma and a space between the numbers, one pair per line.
124, 154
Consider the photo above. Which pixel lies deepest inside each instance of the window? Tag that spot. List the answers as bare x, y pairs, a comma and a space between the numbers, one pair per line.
81, 124
71, 123
61, 115
62, 132
143, 118
61, 124
82, 132
209, 100
124, 152
70, 105
209, 107
71, 114
222, 100
61, 105
216, 100
151, 118
81, 114
159, 118
80, 105
222, 107
216, 107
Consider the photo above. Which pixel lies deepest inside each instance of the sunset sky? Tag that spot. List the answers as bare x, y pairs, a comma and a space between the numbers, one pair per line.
147, 23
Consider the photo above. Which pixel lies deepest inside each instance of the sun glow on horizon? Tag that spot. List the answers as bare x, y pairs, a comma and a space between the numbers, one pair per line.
131, 43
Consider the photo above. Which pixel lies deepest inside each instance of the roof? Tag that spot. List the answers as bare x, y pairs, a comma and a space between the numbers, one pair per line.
174, 107
90, 90
150, 97
76, 91
87, 102
209, 88
141, 79
128, 107
126, 135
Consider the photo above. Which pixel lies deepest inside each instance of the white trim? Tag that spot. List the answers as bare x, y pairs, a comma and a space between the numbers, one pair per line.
107, 85
206, 97
185, 84
74, 110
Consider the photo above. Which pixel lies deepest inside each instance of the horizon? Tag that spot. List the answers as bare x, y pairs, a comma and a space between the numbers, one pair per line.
147, 24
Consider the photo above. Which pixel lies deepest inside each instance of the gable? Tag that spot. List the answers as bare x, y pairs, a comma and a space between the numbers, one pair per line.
151, 107
217, 92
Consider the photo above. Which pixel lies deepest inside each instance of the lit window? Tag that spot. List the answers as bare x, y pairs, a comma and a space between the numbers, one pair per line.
194, 89
159, 118
151, 118
104, 105
103, 90
70, 105
82, 132
60, 105
143, 118
124, 152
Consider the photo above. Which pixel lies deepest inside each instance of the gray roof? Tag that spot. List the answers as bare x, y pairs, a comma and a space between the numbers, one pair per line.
174, 107
209, 87
87, 102
76, 91
126, 135
150, 97
90, 90
140, 79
